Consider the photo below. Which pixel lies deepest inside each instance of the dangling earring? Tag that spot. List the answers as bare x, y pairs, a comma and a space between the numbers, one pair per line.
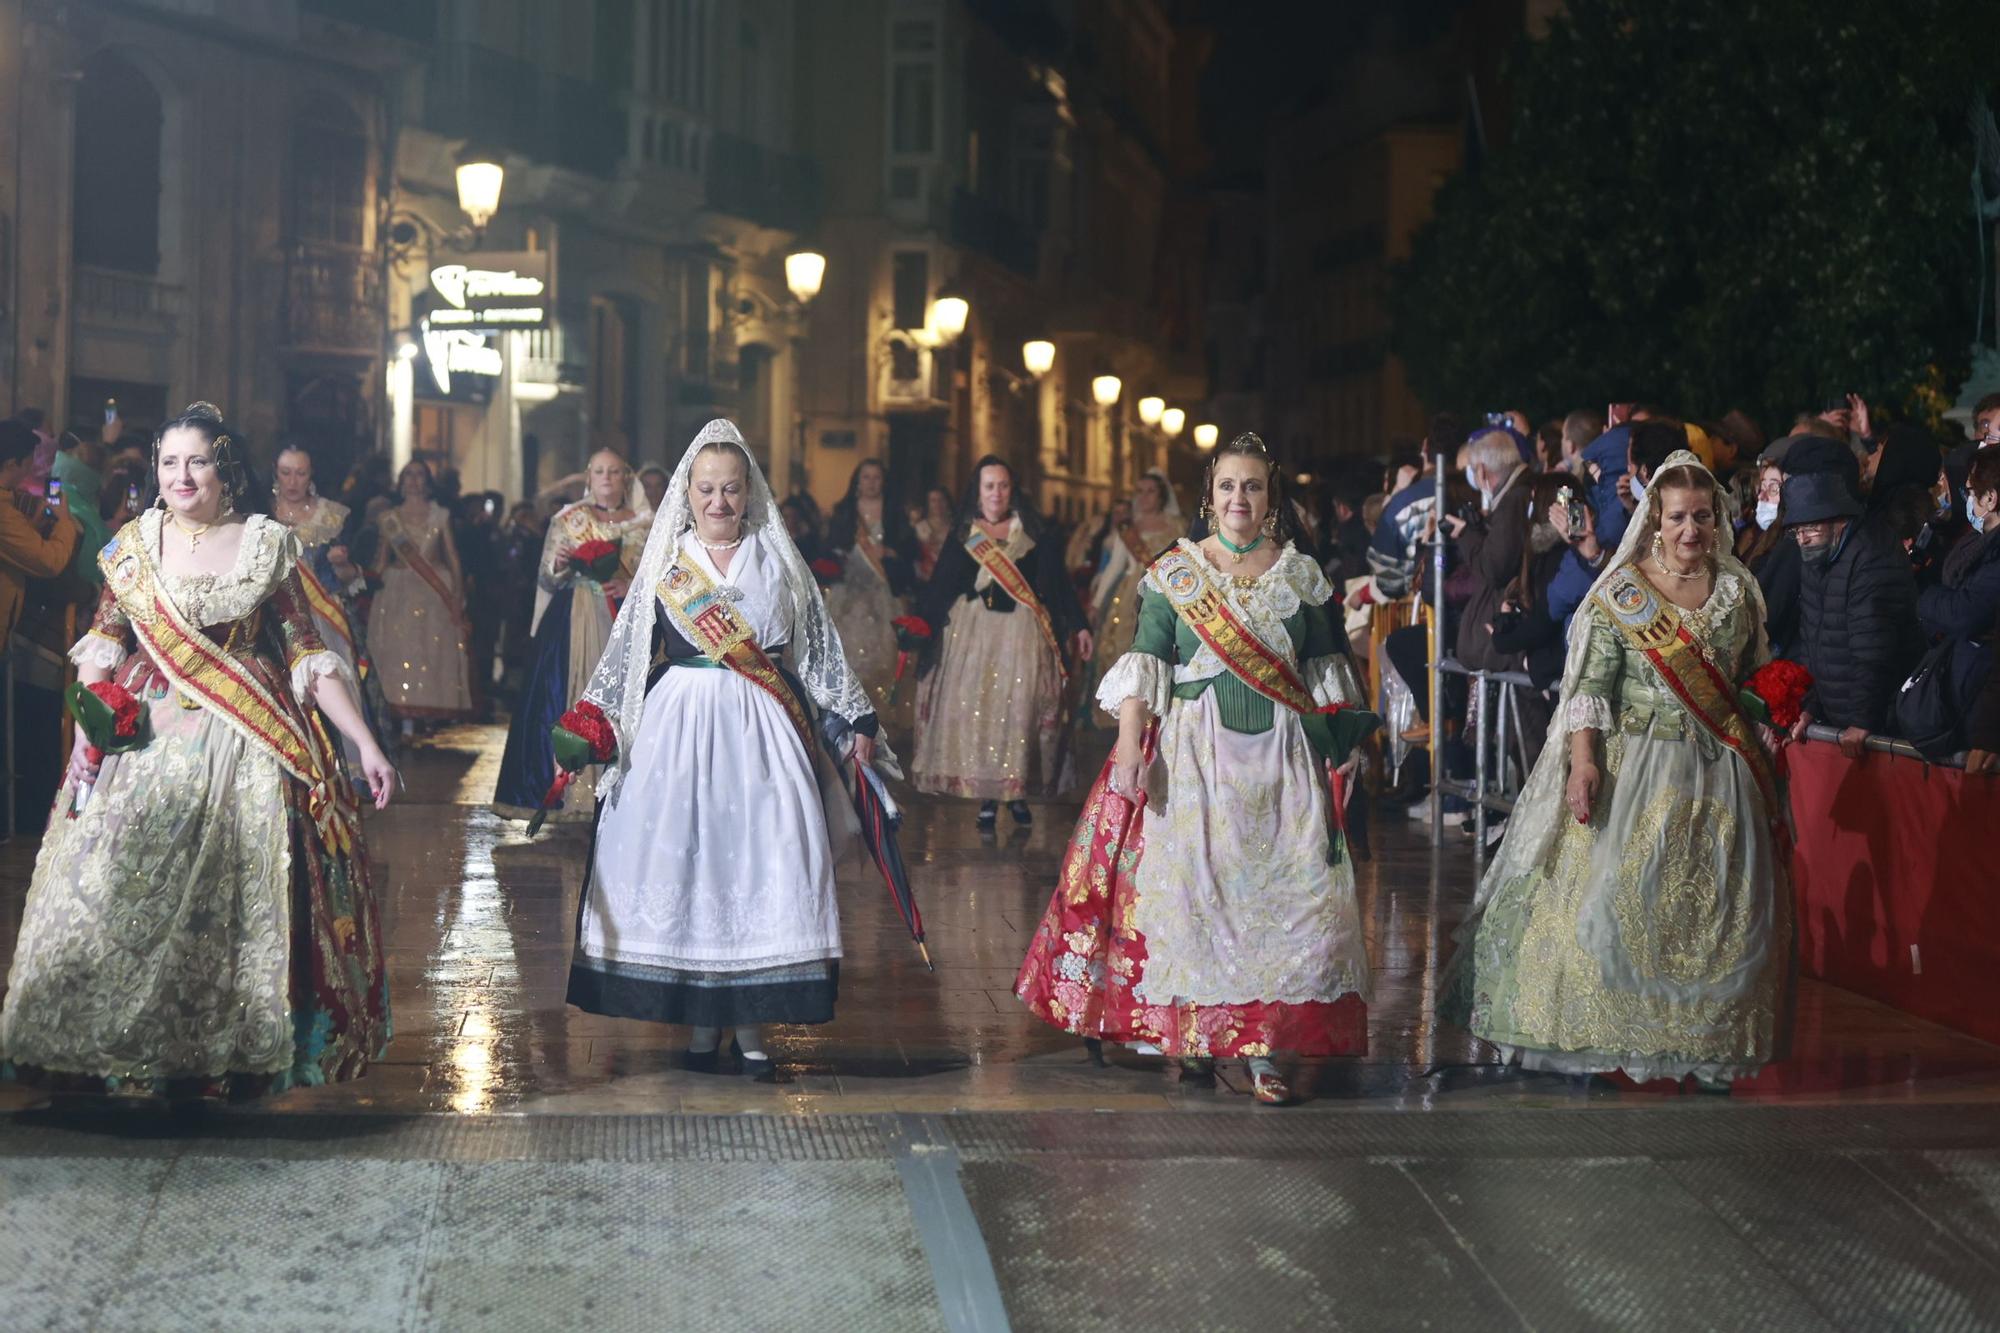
1271, 524
1207, 513
1660, 547
312, 490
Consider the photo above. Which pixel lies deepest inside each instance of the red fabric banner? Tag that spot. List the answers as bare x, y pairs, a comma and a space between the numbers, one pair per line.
1898, 884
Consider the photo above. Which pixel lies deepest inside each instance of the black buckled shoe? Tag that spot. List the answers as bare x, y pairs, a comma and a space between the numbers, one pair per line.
699, 1062
1022, 814
758, 1069
989, 811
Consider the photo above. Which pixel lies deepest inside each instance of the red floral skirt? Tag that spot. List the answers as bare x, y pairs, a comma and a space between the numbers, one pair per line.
1087, 961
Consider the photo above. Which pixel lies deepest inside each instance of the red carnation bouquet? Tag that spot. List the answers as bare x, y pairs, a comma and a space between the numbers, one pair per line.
912, 633
581, 736
1775, 694
596, 560
827, 571
112, 720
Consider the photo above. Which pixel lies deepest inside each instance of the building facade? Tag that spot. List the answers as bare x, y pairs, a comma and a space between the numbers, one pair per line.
189, 200
255, 202
1022, 158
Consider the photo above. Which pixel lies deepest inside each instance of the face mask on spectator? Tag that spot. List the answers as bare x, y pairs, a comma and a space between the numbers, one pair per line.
1816, 555
1638, 491
1767, 513
1974, 517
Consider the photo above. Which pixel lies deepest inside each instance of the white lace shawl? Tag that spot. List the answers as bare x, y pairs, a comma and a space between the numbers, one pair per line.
269, 553
1540, 811
1263, 607
618, 685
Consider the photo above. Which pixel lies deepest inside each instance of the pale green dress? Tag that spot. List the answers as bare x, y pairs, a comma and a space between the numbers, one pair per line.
1657, 939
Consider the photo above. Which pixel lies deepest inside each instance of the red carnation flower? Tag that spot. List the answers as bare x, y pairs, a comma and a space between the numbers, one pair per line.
827, 571
596, 560
124, 708
1781, 687
587, 723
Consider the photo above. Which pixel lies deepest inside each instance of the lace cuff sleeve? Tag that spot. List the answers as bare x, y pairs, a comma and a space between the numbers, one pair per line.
310, 667
1333, 680
1587, 712
98, 649
1137, 676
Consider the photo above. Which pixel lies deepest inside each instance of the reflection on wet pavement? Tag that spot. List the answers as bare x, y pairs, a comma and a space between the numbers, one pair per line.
478, 921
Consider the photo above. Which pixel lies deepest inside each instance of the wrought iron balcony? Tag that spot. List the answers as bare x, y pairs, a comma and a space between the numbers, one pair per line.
333, 302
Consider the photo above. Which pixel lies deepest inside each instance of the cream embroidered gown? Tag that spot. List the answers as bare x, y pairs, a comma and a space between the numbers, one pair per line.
419, 650
193, 932
1657, 939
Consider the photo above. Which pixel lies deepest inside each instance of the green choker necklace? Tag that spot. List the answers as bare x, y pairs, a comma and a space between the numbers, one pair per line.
1239, 551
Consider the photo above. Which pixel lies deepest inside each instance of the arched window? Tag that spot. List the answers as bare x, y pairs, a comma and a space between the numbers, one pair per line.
116, 196
329, 162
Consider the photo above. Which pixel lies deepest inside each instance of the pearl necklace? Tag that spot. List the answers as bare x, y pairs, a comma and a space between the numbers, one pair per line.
1671, 572
718, 546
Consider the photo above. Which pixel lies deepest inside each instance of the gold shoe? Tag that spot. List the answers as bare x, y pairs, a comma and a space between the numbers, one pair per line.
1267, 1087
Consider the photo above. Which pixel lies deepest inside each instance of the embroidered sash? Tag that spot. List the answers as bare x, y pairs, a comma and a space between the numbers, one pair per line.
1008, 575
406, 547
1201, 604
864, 542
1653, 627
328, 607
712, 624
201, 670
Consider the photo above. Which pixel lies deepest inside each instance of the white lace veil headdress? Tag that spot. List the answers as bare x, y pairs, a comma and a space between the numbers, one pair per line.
618, 685
1172, 508
1540, 811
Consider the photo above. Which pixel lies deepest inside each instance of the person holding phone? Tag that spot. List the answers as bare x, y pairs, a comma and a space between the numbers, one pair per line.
38, 537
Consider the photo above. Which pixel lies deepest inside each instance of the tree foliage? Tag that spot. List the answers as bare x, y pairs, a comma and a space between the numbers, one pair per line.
1711, 204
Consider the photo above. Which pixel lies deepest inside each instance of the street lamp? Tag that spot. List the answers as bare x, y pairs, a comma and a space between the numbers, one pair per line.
1039, 356
948, 316
480, 176
1205, 436
1173, 421
1151, 410
805, 270
1105, 389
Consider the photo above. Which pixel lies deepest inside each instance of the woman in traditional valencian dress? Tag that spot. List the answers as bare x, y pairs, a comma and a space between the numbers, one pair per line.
1114, 592
204, 927
710, 894
1638, 916
933, 530
872, 540
573, 616
417, 625
1001, 609
1221, 920
330, 578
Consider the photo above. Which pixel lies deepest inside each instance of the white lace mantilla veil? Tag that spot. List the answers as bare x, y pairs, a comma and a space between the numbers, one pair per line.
1539, 811
1173, 505
618, 685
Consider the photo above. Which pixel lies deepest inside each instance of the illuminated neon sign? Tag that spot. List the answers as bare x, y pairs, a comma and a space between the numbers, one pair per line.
490, 293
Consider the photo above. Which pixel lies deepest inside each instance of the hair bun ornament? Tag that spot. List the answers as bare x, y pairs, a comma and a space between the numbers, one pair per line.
206, 411
1250, 439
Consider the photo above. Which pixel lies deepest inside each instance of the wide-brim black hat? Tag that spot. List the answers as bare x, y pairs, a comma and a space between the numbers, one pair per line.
1816, 497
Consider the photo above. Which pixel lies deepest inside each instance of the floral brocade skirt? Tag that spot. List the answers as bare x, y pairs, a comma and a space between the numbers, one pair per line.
191, 933
1248, 974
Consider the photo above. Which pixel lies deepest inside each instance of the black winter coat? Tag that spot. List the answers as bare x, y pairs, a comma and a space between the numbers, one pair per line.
1858, 629
1778, 575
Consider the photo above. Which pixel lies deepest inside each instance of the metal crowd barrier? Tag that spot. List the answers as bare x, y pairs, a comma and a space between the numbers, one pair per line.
1497, 735
1885, 745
